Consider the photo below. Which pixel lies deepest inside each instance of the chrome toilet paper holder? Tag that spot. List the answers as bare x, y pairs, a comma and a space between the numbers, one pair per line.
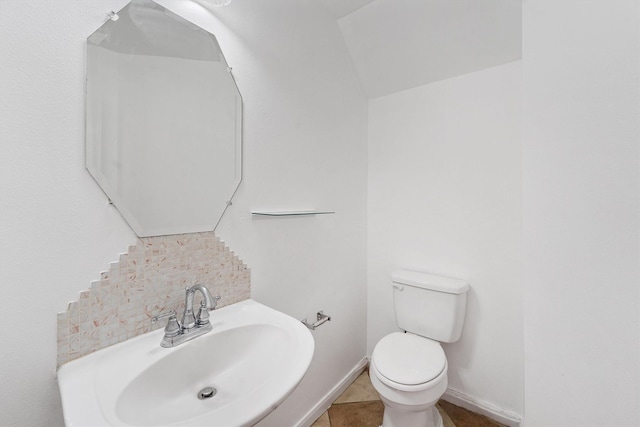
321, 319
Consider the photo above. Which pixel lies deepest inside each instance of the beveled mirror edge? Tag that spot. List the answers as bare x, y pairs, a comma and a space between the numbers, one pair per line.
239, 151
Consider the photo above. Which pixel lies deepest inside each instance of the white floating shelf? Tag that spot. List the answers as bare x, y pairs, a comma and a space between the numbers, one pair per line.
290, 213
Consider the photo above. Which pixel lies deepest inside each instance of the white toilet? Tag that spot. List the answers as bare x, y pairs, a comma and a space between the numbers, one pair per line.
409, 369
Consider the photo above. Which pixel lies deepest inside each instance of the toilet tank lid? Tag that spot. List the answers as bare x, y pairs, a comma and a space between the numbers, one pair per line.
433, 282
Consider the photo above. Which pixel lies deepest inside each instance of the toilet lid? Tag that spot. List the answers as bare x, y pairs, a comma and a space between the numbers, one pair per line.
408, 359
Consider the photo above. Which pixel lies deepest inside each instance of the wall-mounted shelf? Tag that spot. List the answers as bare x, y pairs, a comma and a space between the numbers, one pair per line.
290, 213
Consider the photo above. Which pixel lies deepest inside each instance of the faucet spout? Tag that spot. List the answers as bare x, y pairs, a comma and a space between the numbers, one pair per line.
208, 299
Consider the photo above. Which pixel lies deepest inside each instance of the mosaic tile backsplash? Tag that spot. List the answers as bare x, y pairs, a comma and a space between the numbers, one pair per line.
148, 280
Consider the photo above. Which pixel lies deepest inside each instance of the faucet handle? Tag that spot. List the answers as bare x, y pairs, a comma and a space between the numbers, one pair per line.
203, 314
173, 327
154, 319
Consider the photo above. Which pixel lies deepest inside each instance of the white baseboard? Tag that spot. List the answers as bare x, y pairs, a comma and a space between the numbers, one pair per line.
324, 403
478, 406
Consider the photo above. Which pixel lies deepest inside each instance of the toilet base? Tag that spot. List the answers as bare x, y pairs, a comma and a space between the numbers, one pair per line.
400, 417
409, 405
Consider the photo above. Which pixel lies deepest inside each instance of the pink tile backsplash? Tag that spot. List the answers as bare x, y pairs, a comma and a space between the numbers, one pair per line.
148, 280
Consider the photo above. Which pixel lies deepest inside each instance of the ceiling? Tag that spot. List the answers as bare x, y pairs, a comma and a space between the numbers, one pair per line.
340, 8
400, 44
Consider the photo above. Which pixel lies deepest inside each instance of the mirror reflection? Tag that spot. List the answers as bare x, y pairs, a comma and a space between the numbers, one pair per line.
164, 121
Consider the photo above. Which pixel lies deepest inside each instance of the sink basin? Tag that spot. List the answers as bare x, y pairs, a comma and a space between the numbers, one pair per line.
245, 367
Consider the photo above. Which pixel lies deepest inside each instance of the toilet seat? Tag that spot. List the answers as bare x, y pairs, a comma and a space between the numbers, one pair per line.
408, 361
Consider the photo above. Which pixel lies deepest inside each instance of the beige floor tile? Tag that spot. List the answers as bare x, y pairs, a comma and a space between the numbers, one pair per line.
463, 417
323, 421
360, 390
356, 414
446, 419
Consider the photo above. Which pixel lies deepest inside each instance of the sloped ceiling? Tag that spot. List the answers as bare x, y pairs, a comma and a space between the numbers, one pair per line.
400, 44
340, 8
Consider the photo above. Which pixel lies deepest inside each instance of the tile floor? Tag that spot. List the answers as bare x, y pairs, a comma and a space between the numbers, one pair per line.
360, 406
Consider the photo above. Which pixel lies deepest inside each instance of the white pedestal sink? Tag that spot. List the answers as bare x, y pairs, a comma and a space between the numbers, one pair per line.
253, 358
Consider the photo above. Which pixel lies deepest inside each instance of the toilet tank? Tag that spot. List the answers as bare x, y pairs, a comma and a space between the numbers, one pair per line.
429, 305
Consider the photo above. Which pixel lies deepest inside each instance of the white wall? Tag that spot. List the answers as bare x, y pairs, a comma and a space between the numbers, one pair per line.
57, 231
305, 148
305, 144
581, 212
444, 197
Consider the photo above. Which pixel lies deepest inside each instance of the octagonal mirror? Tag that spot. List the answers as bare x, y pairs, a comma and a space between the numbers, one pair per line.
163, 121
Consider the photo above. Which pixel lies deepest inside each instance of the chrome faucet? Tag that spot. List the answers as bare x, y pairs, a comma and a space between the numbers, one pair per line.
176, 333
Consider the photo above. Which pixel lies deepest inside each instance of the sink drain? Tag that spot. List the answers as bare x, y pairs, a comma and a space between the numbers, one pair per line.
207, 393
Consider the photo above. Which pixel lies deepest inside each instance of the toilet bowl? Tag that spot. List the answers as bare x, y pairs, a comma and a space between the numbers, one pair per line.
409, 369
410, 374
